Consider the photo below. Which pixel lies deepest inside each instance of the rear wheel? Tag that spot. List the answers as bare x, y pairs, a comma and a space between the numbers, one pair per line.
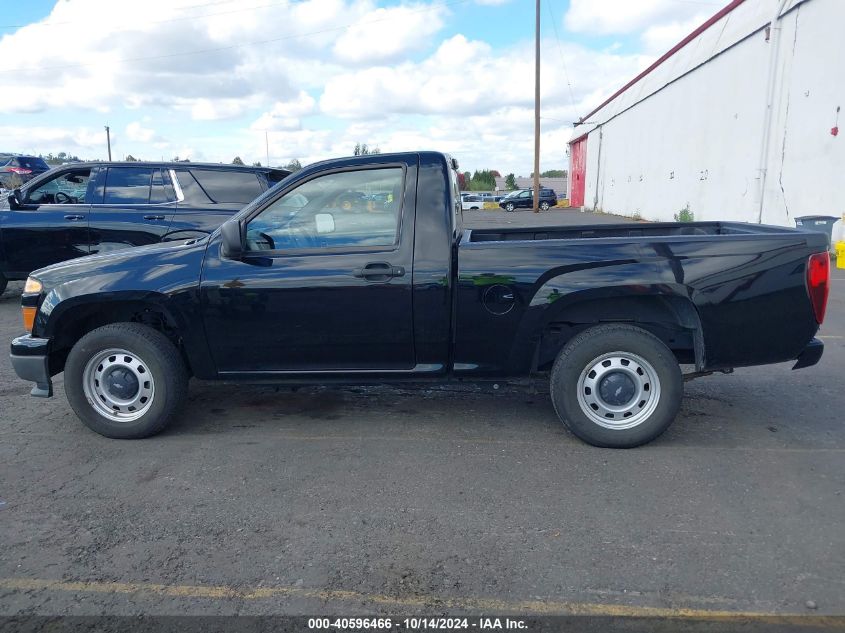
125, 380
544, 206
3, 283
616, 386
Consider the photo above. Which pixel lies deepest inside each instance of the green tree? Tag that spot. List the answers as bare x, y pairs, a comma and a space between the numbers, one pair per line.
237, 161
130, 159
554, 173
482, 180
257, 163
361, 149
295, 165
510, 182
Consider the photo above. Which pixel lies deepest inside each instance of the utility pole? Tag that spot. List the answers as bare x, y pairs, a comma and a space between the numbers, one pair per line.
537, 111
108, 141
267, 146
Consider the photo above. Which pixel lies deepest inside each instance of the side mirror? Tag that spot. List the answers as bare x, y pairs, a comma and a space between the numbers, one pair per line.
325, 223
232, 245
15, 199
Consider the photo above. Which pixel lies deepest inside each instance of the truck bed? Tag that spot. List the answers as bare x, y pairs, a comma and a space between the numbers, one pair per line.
658, 229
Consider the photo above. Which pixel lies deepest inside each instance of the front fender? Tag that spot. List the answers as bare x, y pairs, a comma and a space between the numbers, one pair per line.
163, 277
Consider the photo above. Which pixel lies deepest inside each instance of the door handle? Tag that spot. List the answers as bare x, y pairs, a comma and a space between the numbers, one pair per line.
379, 271
153, 217
73, 218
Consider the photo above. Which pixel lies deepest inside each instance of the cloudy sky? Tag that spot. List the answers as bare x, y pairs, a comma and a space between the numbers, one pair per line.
206, 78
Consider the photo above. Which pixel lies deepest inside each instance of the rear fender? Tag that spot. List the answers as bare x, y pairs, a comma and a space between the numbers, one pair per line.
558, 311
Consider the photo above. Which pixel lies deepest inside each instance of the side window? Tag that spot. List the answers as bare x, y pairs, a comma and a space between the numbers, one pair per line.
161, 190
229, 187
67, 188
347, 209
128, 185
194, 194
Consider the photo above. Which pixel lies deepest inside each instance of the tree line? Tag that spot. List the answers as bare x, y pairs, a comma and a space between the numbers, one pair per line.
485, 179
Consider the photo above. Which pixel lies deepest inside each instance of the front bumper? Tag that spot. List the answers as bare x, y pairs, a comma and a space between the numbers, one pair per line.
30, 360
811, 354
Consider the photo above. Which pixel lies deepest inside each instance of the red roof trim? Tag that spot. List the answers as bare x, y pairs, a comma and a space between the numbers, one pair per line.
710, 22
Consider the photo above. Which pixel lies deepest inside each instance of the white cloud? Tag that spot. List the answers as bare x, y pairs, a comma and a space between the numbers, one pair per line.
286, 115
224, 60
466, 77
137, 132
386, 34
80, 140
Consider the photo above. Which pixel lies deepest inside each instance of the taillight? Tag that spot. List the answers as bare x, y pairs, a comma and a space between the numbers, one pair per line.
20, 170
818, 283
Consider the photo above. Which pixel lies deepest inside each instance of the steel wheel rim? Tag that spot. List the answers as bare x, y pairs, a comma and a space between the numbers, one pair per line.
627, 370
118, 366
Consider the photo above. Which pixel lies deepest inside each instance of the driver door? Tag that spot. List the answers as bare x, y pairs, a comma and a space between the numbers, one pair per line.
52, 224
325, 282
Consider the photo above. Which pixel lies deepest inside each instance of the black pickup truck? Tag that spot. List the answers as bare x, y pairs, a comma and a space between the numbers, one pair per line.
86, 208
359, 270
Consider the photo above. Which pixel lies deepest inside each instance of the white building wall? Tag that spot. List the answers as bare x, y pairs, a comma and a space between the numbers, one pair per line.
676, 139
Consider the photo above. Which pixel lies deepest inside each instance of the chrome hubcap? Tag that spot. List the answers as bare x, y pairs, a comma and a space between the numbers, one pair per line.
618, 390
118, 385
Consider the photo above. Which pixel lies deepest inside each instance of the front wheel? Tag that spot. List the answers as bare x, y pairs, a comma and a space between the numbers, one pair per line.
509, 206
125, 380
616, 386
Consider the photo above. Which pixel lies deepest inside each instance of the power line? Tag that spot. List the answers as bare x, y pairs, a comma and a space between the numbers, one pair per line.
234, 46
563, 62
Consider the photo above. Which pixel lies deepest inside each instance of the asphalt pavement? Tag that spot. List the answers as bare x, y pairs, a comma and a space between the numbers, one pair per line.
261, 500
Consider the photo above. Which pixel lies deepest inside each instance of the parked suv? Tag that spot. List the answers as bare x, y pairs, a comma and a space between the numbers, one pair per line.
16, 169
87, 208
524, 199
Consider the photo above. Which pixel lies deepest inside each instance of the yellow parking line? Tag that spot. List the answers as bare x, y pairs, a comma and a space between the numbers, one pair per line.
486, 605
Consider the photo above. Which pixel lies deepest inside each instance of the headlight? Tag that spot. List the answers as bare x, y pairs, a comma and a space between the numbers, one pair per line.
32, 286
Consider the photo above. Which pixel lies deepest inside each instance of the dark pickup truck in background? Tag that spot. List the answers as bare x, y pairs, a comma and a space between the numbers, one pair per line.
89, 208
359, 270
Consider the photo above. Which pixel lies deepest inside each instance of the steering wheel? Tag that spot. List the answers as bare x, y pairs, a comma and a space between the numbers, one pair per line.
63, 198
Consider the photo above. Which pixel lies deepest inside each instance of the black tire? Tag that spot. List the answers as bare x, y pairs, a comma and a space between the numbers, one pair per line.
3, 283
158, 359
509, 207
544, 206
657, 380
